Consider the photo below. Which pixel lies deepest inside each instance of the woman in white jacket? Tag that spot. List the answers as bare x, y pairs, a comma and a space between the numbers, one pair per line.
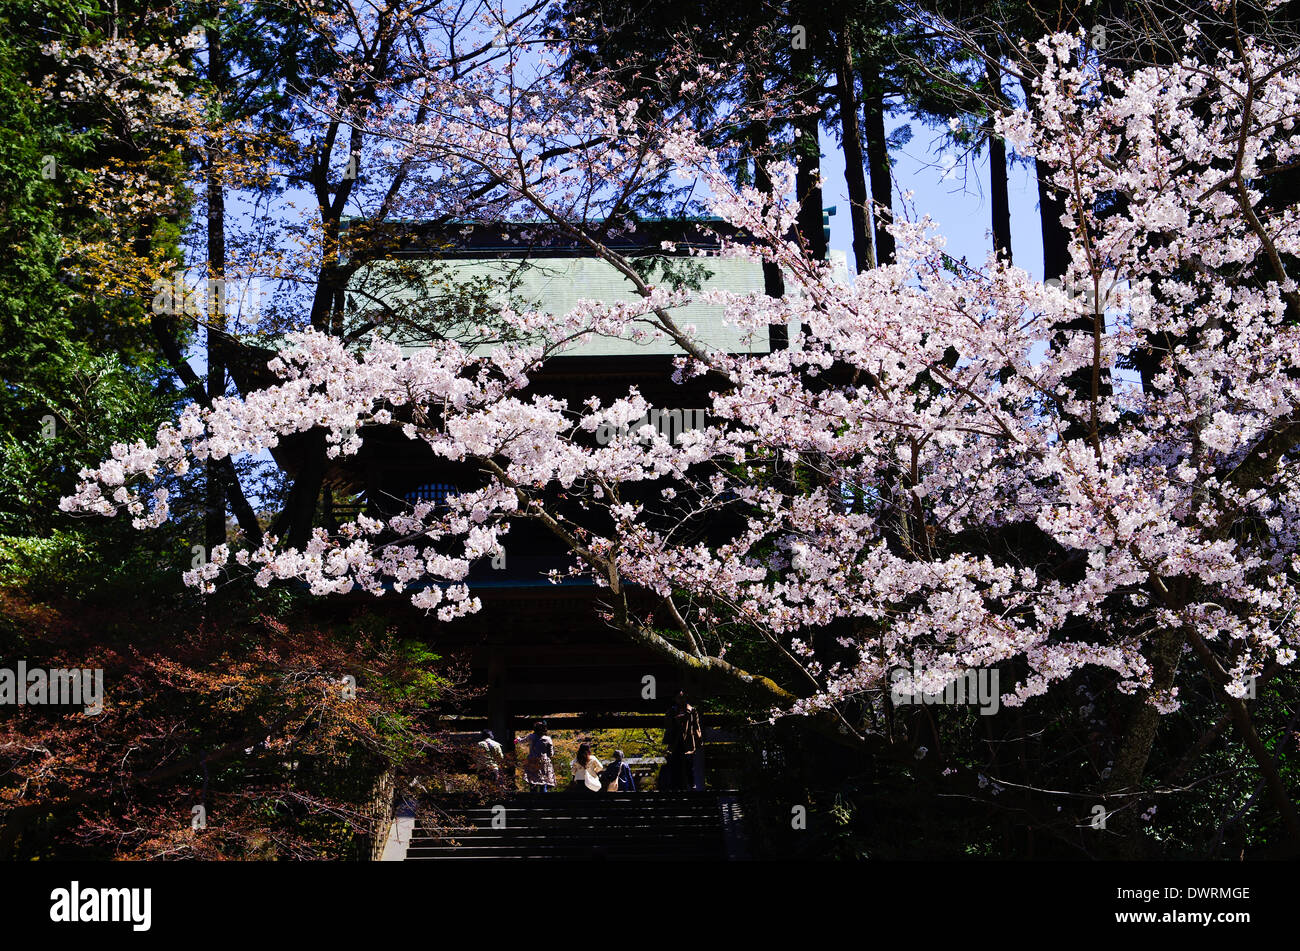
586, 771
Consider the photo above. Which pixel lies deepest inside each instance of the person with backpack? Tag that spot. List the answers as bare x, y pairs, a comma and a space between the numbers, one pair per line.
617, 776
492, 754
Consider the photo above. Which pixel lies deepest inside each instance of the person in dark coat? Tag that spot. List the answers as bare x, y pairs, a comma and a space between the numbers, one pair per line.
683, 737
617, 776
539, 773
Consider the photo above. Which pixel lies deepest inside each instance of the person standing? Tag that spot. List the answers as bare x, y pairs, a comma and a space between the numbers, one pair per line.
683, 737
539, 772
586, 770
617, 776
493, 755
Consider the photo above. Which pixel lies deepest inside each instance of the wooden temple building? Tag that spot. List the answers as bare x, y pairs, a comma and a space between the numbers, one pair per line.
539, 648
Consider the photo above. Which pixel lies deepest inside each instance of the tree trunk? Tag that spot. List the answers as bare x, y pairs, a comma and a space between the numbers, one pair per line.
998, 170
1056, 240
882, 185
808, 154
294, 524
1134, 748
215, 298
854, 174
300, 510
164, 333
758, 144
1056, 261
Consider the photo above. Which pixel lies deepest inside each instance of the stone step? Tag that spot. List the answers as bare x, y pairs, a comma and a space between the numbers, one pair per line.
613, 826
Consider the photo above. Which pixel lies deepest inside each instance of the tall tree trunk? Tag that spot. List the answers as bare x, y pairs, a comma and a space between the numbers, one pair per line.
807, 183
854, 174
1051, 206
295, 522
1056, 240
808, 153
758, 139
998, 168
222, 485
1056, 261
882, 185
215, 517
1139, 735
164, 331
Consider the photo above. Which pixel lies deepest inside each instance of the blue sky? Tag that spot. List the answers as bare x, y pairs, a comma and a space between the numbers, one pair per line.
960, 208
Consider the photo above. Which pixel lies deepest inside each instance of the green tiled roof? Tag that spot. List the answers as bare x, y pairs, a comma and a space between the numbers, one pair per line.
556, 285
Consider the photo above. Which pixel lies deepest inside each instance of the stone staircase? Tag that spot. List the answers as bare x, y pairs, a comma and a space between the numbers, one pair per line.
650, 826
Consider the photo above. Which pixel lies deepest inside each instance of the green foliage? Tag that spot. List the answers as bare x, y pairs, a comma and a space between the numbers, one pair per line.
65, 418
41, 562
92, 566
77, 371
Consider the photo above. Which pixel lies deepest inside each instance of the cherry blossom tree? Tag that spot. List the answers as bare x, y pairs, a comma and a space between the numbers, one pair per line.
919, 472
